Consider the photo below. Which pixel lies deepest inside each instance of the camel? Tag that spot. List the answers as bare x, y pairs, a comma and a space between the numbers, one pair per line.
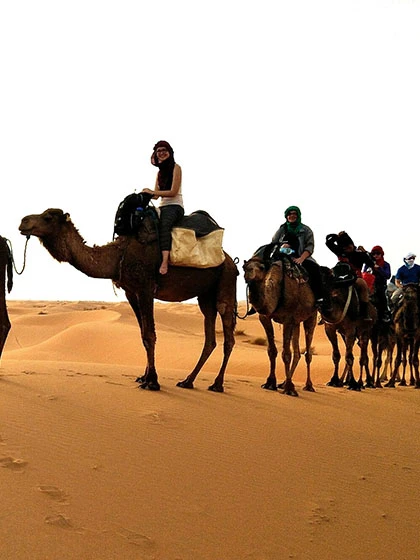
132, 263
279, 296
407, 332
6, 268
344, 319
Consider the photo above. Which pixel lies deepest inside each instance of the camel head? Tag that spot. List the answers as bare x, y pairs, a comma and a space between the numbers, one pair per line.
44, 225
254, 270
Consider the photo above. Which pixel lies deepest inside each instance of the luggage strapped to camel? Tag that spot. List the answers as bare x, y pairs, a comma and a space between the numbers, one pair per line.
196, 239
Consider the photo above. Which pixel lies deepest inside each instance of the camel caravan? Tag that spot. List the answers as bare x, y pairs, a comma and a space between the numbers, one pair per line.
278, 291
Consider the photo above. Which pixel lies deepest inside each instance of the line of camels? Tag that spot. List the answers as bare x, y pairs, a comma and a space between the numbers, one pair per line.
132, 263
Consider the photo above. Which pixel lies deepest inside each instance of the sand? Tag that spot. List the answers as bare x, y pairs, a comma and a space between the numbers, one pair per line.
92, 467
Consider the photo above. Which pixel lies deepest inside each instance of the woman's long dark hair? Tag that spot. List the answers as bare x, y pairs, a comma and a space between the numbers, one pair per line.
166, 168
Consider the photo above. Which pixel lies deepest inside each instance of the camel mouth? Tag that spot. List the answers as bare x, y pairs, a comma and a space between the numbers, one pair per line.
26, 232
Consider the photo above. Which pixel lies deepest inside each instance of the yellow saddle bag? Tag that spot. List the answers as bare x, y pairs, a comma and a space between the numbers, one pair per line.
199, 252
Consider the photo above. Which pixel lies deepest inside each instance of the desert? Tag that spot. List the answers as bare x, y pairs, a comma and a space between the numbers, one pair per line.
92, 467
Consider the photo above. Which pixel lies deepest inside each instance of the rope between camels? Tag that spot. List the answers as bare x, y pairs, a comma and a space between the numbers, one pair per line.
9, 244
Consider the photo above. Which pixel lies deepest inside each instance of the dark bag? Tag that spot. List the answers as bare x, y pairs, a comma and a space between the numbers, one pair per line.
343, 275
130, 213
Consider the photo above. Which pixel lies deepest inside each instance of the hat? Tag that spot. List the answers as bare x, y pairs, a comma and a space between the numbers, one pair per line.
409, 256
344, 239
377, 249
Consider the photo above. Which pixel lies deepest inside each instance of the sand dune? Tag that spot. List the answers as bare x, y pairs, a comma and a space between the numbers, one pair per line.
94, 468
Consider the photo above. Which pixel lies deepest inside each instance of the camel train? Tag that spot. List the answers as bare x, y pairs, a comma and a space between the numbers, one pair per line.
278, 293
6, 270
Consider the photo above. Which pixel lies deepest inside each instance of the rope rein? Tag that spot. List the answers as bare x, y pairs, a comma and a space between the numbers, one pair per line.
346, 307
9, 244
248, 307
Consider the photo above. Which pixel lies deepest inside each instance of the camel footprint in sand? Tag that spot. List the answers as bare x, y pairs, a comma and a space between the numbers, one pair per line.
54, 493
12, 464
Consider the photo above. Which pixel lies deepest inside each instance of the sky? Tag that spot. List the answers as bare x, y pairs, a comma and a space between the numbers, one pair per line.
266, 104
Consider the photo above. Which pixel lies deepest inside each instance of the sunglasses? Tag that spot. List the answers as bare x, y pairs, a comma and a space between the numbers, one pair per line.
161, 151
410, 259
376, 253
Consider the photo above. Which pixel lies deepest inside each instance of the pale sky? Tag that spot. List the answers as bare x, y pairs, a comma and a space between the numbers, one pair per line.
266, 104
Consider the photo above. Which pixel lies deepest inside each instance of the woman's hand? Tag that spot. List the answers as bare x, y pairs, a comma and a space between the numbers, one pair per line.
149, 191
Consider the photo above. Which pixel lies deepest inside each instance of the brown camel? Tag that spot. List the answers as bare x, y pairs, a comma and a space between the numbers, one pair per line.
279, 296
132, 264
407, 332
6, 268
344, 319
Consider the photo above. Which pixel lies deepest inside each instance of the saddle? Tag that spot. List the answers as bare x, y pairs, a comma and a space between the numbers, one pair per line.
196, 239
342, 275
271, 254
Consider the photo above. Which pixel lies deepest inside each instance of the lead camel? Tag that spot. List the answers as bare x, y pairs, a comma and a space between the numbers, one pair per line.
132, 264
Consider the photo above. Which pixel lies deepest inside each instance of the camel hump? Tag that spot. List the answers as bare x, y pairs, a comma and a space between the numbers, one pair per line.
200, 221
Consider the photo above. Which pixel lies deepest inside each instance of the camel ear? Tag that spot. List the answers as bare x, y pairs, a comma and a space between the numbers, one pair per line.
67, 217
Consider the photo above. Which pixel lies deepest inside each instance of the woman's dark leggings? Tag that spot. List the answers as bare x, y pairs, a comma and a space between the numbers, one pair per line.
169, 216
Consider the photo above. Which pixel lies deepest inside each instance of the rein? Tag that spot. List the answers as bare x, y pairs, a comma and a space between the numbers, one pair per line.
346, 307
9, 244
248, 307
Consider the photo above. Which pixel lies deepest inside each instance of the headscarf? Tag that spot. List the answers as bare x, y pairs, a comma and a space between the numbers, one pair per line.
296, 226
166, 167
409, 263
380, 260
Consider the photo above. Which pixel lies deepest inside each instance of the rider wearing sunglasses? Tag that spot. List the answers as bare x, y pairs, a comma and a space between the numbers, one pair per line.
409, 273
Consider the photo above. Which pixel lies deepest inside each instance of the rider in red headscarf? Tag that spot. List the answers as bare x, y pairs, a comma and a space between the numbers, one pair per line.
382, 273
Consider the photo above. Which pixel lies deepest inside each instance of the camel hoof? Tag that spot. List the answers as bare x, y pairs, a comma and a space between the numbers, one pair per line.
403, 383
335, 383
269, 386
390, 384
309, 388
354, 387
216, 388
290, 392
185, 384
151, 385
141, 379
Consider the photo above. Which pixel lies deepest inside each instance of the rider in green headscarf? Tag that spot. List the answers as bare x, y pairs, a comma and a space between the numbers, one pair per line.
301, 238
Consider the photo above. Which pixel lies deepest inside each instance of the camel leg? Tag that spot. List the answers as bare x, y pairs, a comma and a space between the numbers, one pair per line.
364, 362
271, 382
309, 328
411, 362
227, 315
290, 333
403, 382
331, 333
416, 364
351, 382
388, 362
4, 320
208, 309
397, 363
145, 318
